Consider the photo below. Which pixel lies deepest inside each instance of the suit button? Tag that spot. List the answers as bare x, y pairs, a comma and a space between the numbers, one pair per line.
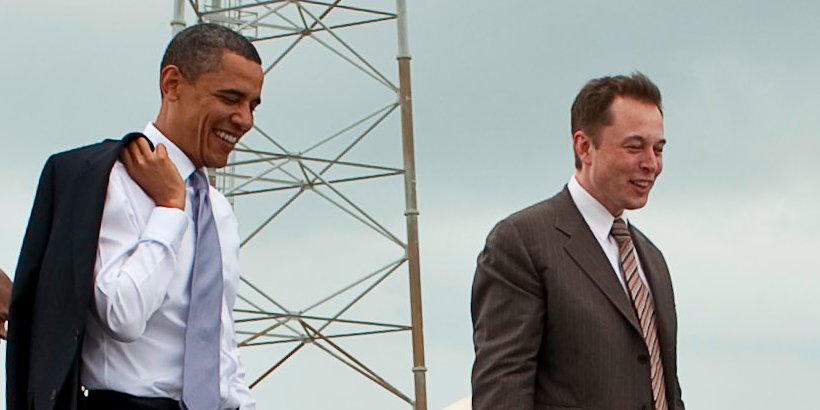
53, 395
643, 358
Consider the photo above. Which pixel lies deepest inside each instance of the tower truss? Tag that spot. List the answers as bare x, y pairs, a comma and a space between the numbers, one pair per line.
316, 188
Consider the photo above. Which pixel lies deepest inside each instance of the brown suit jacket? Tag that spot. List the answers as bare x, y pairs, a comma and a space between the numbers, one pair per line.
553, 328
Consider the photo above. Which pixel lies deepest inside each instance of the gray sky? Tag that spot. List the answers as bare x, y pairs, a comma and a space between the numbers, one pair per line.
734, 211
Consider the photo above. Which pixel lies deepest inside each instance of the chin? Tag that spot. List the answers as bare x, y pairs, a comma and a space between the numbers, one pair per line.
217, 163
636, 204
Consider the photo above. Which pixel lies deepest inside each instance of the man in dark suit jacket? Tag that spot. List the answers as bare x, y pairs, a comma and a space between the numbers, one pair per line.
210, 81
556, 288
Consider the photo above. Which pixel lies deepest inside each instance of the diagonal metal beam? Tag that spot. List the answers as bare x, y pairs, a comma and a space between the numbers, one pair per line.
350, 49
352, 285
271, 315
319, 30
286, 340
353, 363
277, 364
341, 6
267, 221
372, 220
358, 298
241, 6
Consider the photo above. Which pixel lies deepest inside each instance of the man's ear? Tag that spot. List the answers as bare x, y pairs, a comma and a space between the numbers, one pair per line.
582, 144
170, 79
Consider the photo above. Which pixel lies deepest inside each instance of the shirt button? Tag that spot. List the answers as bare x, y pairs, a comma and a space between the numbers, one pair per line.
643, 358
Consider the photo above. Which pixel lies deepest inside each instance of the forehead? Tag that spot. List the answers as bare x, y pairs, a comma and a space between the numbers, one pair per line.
235, 72
631, 117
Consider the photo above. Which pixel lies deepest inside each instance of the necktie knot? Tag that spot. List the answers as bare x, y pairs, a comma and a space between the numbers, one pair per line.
198, 181
619, 231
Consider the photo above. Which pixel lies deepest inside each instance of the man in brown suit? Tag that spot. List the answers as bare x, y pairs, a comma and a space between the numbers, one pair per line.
572, 306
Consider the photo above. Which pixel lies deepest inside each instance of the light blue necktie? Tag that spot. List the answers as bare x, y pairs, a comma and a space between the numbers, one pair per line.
200, 377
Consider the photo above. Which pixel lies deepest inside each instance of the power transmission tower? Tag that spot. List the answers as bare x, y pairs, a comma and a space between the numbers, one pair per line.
330, 100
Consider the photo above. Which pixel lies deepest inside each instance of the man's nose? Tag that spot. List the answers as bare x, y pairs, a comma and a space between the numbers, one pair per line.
243, 117
651, 160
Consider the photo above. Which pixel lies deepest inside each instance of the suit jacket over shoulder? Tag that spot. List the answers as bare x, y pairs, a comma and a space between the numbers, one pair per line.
54, 278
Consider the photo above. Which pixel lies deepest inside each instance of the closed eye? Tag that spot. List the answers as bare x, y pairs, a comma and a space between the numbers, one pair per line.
660, 146
229, 100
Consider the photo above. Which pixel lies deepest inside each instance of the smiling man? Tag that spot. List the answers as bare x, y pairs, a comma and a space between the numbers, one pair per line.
127, 279
573, 306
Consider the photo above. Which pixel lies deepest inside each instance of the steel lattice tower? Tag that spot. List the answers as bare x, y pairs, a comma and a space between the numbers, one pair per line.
332, 167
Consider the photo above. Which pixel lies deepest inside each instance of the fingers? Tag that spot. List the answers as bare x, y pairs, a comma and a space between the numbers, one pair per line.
126, 157
162, 152
142, 147
139, 152
155, 173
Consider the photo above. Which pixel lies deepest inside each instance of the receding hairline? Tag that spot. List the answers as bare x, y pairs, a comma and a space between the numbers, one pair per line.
592, 108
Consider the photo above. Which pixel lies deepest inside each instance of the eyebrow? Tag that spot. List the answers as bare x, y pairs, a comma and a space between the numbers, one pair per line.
640, 138
238, 94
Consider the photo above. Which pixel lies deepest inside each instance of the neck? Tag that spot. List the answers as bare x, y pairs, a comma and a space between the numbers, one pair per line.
583, 180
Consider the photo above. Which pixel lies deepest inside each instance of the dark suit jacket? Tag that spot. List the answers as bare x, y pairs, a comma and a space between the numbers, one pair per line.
53, 283
553, 328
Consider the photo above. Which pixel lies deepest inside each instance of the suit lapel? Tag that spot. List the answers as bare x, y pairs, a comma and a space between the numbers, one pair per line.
585, 250
90, 187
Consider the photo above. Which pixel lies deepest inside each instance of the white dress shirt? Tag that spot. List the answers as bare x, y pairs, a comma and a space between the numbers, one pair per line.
135, 338
600, 223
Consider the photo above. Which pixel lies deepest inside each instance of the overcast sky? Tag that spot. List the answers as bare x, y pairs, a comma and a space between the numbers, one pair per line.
734, 211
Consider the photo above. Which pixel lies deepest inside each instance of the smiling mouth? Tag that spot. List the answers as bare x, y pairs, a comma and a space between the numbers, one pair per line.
229, 138
642, 183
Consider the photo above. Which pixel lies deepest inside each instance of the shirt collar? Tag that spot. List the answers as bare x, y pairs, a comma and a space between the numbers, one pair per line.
594, 213
180, 160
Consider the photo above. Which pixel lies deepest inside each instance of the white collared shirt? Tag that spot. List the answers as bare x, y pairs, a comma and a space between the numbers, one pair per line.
135, 337
600, 222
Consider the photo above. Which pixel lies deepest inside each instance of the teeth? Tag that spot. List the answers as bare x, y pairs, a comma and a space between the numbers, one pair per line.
642, 184
227, 137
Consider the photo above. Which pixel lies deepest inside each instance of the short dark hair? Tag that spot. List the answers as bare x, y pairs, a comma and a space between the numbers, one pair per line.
198, 49
591, 108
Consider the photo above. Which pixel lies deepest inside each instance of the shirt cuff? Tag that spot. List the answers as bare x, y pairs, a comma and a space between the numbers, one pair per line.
166, 226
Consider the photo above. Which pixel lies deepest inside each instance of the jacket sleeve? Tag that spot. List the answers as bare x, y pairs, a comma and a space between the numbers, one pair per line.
18, 351
508, 311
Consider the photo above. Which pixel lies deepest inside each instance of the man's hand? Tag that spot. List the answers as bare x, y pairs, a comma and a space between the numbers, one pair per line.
5, 300
154, 172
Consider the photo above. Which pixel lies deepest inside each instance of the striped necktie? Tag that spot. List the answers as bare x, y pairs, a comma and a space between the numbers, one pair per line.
200, 376
642, 301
